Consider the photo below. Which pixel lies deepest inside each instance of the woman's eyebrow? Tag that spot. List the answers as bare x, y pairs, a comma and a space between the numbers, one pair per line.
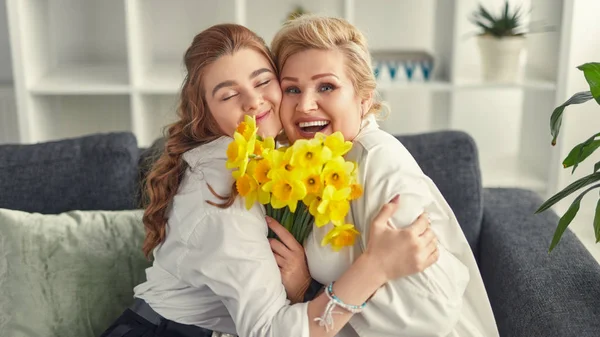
223, 85
259, 71
315, 77
230, 83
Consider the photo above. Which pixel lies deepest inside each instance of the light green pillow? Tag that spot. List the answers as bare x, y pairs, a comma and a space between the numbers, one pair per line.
67, 275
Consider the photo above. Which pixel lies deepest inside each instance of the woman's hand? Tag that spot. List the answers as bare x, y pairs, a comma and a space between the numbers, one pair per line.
291, 260
401, 251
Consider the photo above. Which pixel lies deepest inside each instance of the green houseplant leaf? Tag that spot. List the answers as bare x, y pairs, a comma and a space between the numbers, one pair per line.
591, 71
556, 118
581, 151
597, 222
578, 154
507, 23
568, 217
563, 223
576, 185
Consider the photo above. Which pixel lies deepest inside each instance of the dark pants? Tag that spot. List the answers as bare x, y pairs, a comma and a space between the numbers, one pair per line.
131, 324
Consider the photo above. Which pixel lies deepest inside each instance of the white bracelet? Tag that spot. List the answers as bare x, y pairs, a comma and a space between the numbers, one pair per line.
327, 318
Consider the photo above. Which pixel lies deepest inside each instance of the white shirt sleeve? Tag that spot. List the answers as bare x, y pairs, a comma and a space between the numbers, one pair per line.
424, 304
230, 253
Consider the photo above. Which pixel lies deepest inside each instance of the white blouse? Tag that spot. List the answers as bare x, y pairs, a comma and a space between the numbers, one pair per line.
448, 298
215, 268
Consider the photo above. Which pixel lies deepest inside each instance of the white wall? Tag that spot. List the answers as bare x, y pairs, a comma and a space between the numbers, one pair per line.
5, 63
580, 121
8, 117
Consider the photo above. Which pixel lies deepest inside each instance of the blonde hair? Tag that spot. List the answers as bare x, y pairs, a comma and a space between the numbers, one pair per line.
327, 33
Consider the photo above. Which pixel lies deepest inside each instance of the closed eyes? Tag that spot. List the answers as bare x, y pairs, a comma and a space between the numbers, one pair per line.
261, 84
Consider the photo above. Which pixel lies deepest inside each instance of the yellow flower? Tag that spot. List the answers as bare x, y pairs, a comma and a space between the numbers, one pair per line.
340, 236
238, 153
249, 188
356, 191
286, 191
313, 202
247, 128
337, 144
261, 147
310, 153
245, 185
335, 203
338, 172
312, 181
261, 172
281, 166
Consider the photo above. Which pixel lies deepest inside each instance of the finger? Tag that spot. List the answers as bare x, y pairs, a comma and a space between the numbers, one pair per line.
284, 235
431, 245
280, 260
279, 248
428, 235
420, 225
433, 257
387, 211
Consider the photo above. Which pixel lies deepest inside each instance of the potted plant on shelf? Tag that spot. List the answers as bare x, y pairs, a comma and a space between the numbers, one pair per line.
296, 12
579, 153
501, 42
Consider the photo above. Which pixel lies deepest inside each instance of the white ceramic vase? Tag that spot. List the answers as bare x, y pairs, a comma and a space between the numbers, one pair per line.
500, 57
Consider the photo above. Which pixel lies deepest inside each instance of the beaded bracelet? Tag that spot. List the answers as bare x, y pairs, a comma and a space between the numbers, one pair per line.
355, 309
327, 318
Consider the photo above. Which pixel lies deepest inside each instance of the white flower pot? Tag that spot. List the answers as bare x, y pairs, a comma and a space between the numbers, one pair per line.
500, 57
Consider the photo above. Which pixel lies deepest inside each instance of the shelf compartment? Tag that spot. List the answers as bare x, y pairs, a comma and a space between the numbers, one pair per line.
163, 79
426, 85
161, 33
266, 26
152, 113
66, 116
82, 79
68, 44
379, 21
529, 84
509, 171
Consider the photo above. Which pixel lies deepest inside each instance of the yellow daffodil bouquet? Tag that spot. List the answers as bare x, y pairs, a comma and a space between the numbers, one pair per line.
305, 184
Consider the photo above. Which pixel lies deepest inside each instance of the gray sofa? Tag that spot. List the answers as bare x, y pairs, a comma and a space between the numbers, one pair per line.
533, 293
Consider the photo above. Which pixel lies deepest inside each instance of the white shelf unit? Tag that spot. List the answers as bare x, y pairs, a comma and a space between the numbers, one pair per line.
8, 110
99, 66
5, 61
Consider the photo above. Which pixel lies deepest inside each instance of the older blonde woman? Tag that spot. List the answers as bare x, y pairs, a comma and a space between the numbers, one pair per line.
328, 86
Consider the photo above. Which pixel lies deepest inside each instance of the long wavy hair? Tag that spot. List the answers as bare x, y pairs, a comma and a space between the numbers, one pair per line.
195, 126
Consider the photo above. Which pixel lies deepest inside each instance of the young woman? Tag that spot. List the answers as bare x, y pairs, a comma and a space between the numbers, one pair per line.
328, 86
213, 266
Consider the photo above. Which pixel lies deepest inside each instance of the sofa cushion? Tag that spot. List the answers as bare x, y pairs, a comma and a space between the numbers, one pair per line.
451, 160
67, 275
147, 158
96, 172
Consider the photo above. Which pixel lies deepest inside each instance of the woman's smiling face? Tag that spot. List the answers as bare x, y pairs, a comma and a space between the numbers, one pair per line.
318, 96
243, 83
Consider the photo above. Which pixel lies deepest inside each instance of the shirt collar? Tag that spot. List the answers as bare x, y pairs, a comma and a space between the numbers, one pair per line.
217, 149
369, 122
